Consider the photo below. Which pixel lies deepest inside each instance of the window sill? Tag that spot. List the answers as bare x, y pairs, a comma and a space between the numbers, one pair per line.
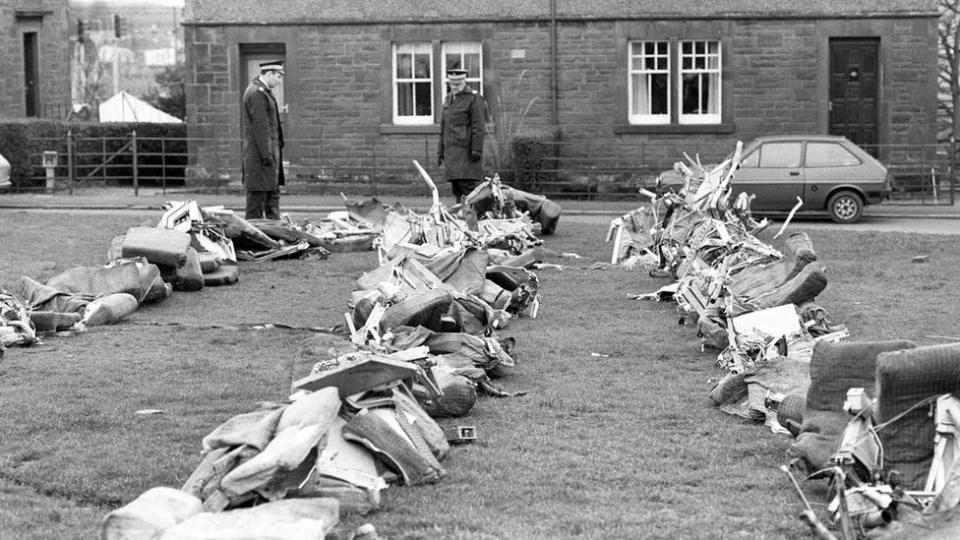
397, 129
725, 127
32, 13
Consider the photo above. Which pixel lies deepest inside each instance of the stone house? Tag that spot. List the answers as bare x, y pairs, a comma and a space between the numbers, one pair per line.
35, 38
612, 84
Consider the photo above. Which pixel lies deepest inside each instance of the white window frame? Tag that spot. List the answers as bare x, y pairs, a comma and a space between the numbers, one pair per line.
639, 68
412, 49
459, 49
707, 69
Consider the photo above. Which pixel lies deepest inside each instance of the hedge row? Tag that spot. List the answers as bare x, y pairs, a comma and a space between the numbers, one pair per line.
22, 142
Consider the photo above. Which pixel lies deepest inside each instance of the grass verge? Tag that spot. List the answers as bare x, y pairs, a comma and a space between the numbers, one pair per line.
624, 446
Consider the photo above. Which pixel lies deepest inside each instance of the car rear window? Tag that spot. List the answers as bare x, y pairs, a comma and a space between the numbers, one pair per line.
821, 154
780, 155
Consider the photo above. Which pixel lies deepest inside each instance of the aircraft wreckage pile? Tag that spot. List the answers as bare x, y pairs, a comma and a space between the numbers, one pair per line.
422, 340
859, 412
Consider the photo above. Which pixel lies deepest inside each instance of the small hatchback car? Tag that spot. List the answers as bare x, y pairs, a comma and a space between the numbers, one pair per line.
4, 173
827, 172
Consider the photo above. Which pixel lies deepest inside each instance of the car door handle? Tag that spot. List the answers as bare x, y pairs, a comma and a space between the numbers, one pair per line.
794, 173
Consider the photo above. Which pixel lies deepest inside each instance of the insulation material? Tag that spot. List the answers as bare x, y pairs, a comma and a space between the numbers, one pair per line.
291, 519
348, 461
118, 277
109, 309
150, 514
40, 297
383, 433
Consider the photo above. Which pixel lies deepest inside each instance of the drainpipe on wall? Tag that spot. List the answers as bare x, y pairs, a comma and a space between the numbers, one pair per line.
554, 84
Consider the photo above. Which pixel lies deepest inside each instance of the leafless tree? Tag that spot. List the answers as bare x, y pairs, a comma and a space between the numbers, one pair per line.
948, 90
88, 74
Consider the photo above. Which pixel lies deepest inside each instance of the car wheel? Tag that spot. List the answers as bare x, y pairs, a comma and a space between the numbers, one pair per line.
845, 207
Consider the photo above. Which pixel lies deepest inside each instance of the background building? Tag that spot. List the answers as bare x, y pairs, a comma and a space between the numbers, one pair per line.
125, 46
617, 85
35, 60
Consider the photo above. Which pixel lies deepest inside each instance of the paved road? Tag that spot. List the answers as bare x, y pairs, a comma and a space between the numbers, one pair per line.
911, 220
886, 223
926, 225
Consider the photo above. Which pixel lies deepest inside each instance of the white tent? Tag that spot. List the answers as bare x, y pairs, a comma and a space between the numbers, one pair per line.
123, 107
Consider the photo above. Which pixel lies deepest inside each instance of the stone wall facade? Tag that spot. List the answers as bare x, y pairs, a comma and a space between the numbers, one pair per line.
338, 88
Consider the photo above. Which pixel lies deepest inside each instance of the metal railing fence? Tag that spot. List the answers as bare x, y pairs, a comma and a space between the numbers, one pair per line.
925, 174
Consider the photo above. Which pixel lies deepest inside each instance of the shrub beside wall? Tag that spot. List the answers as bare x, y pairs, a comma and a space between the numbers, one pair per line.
24, 141
531, 160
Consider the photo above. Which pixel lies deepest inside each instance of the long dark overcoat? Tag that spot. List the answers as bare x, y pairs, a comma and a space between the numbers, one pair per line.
263, 137
461, 133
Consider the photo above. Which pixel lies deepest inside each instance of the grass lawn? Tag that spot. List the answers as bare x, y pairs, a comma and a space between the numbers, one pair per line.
625, 446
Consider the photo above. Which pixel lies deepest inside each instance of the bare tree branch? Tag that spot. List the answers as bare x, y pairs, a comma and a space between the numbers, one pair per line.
948, 39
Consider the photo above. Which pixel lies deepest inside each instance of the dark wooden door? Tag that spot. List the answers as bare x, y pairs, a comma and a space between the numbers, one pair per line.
854, 90
31, 75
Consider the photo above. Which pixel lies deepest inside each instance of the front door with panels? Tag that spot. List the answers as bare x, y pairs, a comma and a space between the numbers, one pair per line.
854, 91
31, 69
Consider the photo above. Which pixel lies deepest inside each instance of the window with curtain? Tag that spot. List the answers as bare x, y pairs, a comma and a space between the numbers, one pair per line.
649, 82
413, 83
416, 73
699, 82
674, 81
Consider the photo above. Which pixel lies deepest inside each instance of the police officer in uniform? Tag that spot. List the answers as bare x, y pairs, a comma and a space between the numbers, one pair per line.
460, 151
263, 144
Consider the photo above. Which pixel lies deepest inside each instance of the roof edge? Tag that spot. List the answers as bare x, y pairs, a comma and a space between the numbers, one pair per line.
573, 18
